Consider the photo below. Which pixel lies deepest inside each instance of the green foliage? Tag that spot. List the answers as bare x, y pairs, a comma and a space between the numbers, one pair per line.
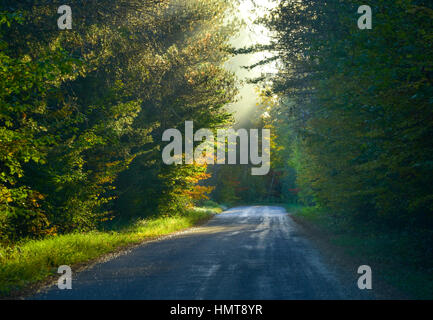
24, 138
83, 110
359, 107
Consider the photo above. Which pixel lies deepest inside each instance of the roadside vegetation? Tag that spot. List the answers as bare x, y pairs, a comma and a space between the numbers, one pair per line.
396, 258
29, 262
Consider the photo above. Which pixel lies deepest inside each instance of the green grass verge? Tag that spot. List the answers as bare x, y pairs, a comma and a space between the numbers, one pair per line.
33, 261
398, 255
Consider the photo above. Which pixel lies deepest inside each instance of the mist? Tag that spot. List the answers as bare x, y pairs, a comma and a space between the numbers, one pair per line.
249, 35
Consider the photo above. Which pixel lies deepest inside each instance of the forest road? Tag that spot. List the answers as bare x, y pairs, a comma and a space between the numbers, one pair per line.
255, 252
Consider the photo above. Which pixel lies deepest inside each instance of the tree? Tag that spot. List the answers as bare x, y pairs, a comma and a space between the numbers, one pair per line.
360, 108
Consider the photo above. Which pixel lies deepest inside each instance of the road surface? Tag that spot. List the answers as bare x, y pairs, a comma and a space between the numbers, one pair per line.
244, 253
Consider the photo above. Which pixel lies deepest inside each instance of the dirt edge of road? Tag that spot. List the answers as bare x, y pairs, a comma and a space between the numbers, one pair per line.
347, 265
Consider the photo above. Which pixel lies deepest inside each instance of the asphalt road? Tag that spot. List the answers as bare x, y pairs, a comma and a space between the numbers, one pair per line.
244, 253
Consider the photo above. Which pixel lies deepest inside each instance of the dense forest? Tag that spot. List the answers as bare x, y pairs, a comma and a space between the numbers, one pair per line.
82, 111
360, 107
350, 112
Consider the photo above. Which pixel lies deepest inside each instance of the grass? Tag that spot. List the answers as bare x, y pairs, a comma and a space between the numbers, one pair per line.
398, 257
33, 261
